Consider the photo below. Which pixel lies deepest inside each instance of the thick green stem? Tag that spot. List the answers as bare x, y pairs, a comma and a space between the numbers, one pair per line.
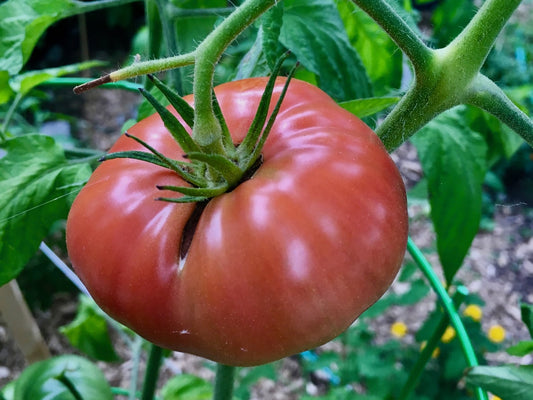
431, 345
207, 131
486, 95
445, 77
470, 49
224, 382
155, 358
416, 108
147, 67
449, 307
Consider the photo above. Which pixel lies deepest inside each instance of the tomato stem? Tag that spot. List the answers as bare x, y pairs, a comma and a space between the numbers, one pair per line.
471, 47
449, 307
447, 77
207, 130
225, 377
155, 358
486, 95
430, 346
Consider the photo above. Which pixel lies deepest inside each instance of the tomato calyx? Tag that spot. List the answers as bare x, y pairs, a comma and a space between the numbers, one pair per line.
209, 173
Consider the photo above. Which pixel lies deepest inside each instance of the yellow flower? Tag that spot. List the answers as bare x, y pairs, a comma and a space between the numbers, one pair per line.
398, 329
473, 311
436, 350
448, 335
493, 397
496, 333
435, 353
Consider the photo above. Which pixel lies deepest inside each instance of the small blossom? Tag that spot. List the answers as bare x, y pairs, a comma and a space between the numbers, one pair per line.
448, 335
473, 311
493, 397
435, 353
496, 333
398, 329
436, 350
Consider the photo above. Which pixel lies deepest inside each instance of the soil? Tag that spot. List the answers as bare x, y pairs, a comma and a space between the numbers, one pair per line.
499, 268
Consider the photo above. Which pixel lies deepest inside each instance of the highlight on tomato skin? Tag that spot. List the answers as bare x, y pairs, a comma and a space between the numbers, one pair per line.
283, 263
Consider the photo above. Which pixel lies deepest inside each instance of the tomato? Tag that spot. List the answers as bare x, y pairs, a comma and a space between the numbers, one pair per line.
283, 263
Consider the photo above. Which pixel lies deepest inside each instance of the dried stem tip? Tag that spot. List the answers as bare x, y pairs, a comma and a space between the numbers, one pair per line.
92, 84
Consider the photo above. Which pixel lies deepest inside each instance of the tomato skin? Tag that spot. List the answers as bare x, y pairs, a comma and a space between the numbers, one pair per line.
283, 263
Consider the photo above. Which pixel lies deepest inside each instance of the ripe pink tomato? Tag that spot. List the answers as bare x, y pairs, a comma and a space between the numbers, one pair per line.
283, 263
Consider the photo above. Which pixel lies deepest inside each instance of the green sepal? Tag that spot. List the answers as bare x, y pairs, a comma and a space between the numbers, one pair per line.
210, 174
221, 164
180, 167
136, 155
257, 150
183, 108
206, 192
172, 164
250, 141
184, 199
227, 141
175, 128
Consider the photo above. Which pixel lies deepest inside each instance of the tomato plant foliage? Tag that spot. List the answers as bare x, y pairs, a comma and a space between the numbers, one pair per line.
274, 264
38, 185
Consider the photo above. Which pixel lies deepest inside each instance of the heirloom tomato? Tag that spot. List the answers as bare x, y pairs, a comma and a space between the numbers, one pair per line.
282, 263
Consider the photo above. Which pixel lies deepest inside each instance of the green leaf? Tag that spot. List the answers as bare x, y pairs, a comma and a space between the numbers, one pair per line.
248, 377
89, 332
271, 23
369, 106
5, 90
521, 348
254, 62
526, 311
453, 159
21, 25
8, 391
37, 186
23, 83
508, 382
314, 32
186, 387
417, 291
373, 46
60, 378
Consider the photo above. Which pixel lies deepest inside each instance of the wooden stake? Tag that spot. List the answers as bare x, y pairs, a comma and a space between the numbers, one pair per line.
21, 324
